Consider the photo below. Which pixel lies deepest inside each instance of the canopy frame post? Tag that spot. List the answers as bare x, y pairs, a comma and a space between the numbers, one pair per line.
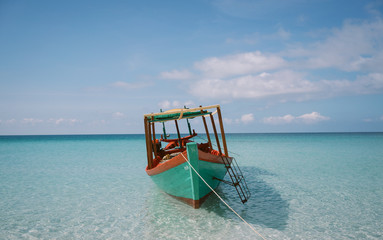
222, 131
178, 134
163, 127
148, 143
206, 130
154, 140
216, 134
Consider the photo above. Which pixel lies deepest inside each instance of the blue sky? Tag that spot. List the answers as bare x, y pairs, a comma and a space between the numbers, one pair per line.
95, 67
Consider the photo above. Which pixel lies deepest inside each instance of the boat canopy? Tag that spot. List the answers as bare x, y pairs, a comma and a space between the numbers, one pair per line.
177, 114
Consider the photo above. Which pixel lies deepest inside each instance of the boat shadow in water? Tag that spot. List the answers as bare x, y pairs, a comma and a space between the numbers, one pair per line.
265, 207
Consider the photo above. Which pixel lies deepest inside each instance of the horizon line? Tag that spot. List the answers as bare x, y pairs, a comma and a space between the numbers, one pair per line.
103, 134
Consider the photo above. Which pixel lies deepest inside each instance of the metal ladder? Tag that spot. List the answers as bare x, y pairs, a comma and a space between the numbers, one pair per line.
237, 178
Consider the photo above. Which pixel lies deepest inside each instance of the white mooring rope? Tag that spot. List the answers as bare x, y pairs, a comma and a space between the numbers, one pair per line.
221, 198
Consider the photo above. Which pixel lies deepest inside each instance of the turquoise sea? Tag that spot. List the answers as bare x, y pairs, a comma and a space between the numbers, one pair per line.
304, 186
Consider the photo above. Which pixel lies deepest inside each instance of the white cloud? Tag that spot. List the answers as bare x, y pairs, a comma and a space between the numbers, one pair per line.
286, 85
247, 118
131, 86
166, 104
357, 46
97, 123
189, 104
60, 121
259, 86
177, 75
308, 118
31, 121
118, 115
239, 64
177, 104
378, 119
313, 117
373, 7
279, 120
368, 84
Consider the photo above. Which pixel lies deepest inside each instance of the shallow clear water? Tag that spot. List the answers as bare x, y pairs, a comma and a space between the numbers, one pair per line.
304, 186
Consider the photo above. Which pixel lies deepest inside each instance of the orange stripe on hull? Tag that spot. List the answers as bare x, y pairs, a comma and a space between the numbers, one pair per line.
178, 160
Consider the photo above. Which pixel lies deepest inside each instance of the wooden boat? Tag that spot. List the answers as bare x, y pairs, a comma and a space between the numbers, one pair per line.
184, 168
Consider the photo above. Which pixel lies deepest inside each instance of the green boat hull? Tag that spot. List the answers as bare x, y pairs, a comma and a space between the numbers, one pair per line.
183, 183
